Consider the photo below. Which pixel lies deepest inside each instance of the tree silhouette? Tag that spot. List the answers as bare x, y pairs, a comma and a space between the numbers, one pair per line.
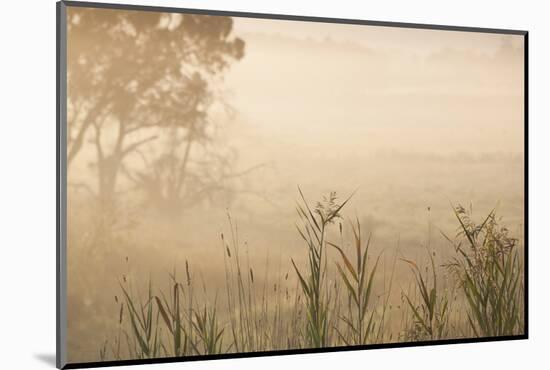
133, 73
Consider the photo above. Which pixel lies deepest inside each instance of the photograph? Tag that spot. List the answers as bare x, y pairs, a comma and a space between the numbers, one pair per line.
241, 184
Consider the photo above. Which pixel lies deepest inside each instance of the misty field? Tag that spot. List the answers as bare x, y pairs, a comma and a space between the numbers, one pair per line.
239, 185
339, 290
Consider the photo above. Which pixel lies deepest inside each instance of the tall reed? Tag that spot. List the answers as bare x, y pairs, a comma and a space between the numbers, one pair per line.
313, 230
488, 269
358, 281
321, 307
431, 314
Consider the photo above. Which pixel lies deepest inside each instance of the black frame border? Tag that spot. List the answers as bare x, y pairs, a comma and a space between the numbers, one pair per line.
61, 183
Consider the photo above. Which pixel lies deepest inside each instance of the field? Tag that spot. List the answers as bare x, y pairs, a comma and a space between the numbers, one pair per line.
336, 277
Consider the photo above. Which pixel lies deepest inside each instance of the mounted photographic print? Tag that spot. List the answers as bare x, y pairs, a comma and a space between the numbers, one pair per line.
236, 184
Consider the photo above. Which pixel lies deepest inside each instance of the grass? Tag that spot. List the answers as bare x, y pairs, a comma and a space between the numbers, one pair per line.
338, 296
358, 281
431, 314
313, 230
488, 269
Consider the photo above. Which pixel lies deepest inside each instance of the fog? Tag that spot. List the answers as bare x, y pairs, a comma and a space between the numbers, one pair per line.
407, 122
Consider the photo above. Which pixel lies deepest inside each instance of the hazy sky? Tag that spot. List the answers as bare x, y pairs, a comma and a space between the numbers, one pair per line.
417, 40
394, 88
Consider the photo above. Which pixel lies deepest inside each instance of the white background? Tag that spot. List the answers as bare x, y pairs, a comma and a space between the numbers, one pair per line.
27, 185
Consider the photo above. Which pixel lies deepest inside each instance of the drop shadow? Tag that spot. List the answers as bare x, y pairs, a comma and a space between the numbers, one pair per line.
47, 358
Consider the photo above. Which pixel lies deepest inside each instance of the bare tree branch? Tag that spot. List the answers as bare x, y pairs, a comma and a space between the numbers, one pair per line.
137, 144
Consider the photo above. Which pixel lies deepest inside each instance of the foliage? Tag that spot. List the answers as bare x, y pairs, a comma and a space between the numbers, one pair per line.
149, 71
358, 281
313, 232
489, 271
431, 315
261, 316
